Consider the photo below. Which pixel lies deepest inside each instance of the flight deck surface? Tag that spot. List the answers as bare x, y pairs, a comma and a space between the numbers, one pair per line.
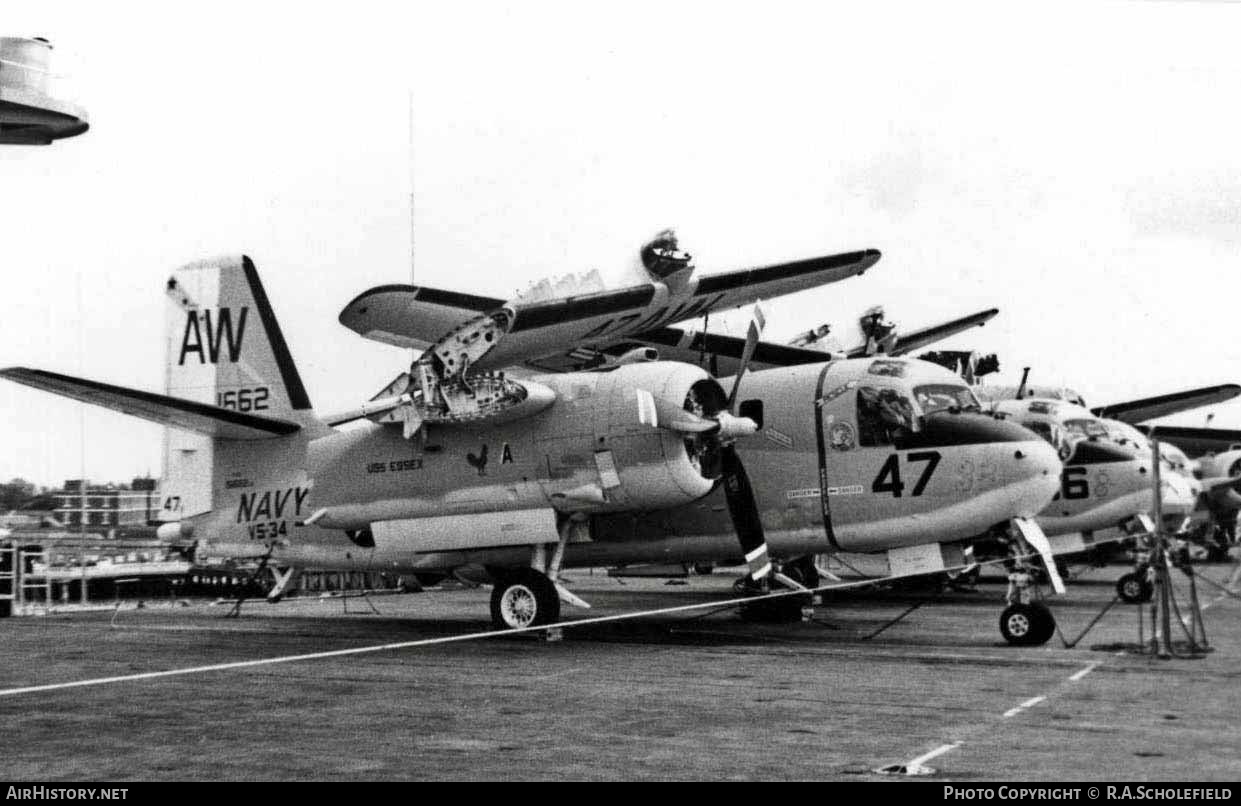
690, 696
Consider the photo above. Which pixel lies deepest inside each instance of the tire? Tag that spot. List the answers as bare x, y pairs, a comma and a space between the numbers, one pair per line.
804, 572
781, 610
525, 599
1027, 624
1134, 588
704, 569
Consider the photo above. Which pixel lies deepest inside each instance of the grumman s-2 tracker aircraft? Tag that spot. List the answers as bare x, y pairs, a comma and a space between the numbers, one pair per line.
1107, 485
467, 469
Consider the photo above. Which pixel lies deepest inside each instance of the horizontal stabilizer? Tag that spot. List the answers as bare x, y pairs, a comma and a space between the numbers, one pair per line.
1148, 408
175, 412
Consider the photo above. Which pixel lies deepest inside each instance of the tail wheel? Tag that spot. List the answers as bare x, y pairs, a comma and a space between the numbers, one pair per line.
1027, 624
528, 599
1134, 588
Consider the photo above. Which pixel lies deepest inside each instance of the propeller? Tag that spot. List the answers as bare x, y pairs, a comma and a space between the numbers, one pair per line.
738, 492
723, 429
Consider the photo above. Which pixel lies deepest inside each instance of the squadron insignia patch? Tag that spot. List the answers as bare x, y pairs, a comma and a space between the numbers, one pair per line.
842, 437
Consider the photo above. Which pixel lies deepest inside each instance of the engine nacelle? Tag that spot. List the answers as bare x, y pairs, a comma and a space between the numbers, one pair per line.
633, 464
1221, 465
589, 451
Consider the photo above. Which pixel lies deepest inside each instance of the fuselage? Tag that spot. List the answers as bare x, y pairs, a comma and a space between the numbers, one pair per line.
1107, 477
861, 455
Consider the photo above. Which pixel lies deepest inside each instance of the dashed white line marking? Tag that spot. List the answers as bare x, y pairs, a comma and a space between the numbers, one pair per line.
939, 751
1030, 703
1082, 673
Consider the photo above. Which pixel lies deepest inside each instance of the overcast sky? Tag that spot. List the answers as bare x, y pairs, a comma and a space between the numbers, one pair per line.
1077, 166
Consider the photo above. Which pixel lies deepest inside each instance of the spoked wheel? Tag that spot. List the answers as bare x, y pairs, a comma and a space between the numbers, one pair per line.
1135, 588
527, 599
1027, 624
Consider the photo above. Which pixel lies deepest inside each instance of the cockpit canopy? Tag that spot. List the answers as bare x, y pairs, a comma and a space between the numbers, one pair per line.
886, 415
1086, 427
1060, 423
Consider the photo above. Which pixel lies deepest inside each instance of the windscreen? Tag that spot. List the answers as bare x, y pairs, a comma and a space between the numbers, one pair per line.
1086, 427
1054, 435
884, 416
945, 397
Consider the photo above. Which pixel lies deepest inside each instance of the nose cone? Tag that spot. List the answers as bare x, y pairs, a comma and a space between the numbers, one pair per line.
1035, 474
943, 429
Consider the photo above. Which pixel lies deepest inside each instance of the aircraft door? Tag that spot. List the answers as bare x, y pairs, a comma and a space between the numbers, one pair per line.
836, 435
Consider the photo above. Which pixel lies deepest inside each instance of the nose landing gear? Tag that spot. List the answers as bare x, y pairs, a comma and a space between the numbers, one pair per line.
1136, 587
1024, 624
1026, 621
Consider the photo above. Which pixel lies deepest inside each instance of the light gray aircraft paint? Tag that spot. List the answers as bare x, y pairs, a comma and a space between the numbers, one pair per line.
860, 455
1104, 483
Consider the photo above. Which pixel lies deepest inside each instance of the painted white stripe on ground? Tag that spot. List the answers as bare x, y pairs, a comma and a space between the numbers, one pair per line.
939, 751
1080, 674
1030, 703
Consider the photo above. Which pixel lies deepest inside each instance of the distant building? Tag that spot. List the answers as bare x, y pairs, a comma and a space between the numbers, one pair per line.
108, 506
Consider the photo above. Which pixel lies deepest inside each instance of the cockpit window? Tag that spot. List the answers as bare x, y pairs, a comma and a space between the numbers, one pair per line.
1045, 430
945, 397
887, 367
1086, 427
884, 416
1055, 436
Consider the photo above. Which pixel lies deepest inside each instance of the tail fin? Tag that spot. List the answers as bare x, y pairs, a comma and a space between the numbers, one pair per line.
225, 348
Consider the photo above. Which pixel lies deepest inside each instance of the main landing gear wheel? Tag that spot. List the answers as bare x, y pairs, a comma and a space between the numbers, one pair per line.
526, 599
776, 610
779, 610
1027, 624
1134, 588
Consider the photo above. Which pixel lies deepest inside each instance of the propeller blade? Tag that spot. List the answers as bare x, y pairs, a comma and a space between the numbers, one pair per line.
659, 413
753, 333
744, 513
1220, 482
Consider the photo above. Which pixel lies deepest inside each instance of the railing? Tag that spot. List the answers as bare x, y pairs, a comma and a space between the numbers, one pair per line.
33, 593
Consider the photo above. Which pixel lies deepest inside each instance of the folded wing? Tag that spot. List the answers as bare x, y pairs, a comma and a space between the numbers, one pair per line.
419, 317
1149, 408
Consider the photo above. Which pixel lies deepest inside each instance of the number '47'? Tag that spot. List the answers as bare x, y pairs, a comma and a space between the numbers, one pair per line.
889, 478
